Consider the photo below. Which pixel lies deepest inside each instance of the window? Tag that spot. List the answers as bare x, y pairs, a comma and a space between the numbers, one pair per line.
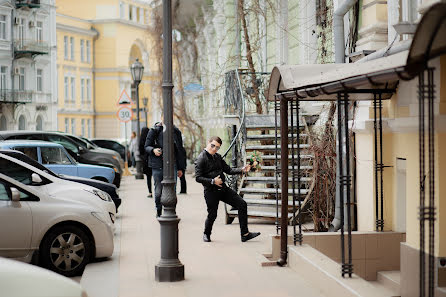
39, 123
21, 32
89, 128
15, 171
3, 27
21, 78
134, 13
82, 90
66, 92
39, 32
22, 122
67, 125
3, 124
121, 10
54, 155
73, 89
3, 71
29, 151
83, 127
73, 126
88, 91
82, 51
130, 12
72, 48
88, 51
65, 47
64, 141
4, 196
39, 80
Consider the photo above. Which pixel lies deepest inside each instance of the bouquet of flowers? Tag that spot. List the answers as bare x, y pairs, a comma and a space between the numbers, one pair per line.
254, 160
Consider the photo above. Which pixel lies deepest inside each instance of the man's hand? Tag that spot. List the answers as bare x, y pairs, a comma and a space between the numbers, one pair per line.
218, 181
246, 168
180, 173
158, 152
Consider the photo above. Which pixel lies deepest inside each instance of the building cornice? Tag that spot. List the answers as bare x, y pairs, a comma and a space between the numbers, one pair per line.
71, 29
121, 21
73, 18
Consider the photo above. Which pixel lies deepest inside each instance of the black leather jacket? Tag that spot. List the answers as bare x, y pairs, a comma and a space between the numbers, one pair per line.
209, 166
155, 140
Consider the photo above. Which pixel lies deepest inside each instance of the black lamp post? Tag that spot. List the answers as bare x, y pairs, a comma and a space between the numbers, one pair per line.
144, 102
137, 70
169, 269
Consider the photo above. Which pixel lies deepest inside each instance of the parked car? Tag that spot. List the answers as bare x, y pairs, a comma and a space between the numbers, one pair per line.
55, 157
19, 279
104, 186
80, 153
55, 186
110, 144
67, 233
86, 145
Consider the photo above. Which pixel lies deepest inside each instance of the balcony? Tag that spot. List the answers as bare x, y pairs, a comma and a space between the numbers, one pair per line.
27, 4
30, 48
15, 96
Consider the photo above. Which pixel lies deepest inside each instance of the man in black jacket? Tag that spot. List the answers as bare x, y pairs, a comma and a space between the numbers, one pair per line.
209, 169
154, 148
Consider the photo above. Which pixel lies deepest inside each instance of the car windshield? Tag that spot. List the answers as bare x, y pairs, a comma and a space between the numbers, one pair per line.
80, 142
90, 143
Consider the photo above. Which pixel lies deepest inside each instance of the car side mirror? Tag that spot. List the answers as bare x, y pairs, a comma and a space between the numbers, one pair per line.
15, 195
36, 179
82, 150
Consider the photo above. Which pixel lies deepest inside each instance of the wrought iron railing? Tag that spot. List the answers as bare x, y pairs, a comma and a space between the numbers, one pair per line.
27, 3
16, 96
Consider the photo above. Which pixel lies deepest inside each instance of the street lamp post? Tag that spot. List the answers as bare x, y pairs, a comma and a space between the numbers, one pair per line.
169, 268
144, 102
137, 70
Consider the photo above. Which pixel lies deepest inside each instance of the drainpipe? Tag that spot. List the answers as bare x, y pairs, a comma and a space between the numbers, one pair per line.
93, 79
339, 40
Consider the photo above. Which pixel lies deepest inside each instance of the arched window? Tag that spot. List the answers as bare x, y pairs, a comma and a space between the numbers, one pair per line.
22, 123
39, 123
3, 124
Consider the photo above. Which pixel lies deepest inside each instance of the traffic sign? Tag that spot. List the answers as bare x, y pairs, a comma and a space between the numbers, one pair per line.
124, 98
125, 113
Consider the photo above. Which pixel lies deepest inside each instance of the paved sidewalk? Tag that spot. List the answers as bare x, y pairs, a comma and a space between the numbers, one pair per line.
224, 267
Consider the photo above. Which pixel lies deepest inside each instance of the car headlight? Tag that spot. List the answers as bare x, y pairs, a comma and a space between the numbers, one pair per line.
100, 216
101, 194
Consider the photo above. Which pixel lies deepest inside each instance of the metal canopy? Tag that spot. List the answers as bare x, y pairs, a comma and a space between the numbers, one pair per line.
322, 81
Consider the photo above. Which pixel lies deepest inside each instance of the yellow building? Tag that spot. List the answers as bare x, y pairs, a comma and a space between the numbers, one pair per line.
97, 43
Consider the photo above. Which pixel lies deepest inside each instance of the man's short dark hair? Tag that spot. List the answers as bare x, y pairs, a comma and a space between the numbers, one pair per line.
216, 138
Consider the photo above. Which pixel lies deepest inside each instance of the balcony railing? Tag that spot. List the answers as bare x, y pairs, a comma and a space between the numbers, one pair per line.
24, 47
27, 3
16, 96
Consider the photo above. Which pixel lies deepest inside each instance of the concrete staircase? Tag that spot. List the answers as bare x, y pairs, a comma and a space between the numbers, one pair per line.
258, 188
390, 280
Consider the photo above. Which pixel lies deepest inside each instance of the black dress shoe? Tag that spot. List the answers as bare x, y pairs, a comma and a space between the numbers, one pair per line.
249, 236
206, 238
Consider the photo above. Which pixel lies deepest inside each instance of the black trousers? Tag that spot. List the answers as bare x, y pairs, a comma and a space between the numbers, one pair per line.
183, 184
229, 196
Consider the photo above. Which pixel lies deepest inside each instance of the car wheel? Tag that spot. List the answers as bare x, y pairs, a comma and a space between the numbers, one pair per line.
66, 250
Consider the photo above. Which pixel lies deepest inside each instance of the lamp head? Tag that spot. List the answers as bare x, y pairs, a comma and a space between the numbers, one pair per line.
137, 70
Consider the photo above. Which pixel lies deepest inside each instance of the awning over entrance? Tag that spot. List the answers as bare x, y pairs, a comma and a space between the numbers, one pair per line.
324, 81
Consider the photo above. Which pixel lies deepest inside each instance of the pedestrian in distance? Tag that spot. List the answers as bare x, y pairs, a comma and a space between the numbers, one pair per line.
154, 148
145, 160
209, 169
133, 148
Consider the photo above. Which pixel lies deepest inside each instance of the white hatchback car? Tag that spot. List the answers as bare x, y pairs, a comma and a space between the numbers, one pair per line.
54, 186
66, 233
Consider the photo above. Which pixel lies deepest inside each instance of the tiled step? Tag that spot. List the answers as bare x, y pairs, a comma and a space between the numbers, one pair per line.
270, 191
266, 127
267, 202
391, 280
271, 179
273, 157
272, 147
259, 214
272, 136
289, 168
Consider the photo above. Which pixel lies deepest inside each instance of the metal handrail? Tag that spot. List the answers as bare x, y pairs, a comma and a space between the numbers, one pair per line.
242, 122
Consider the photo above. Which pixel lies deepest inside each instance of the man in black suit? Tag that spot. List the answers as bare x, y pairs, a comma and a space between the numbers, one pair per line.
154, 148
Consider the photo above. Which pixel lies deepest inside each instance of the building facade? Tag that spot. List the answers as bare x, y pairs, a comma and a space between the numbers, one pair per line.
98, 41
28, 98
